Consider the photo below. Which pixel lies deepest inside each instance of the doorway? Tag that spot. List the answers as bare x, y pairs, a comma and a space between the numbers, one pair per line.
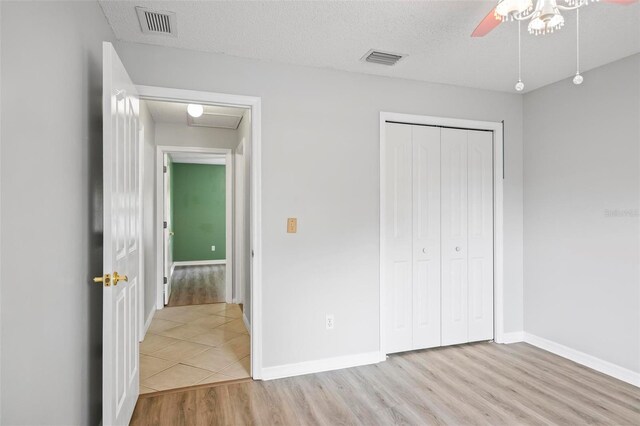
198, 331
424, 275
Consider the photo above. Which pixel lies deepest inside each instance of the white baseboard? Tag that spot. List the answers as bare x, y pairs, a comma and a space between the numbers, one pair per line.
200, 262
512, 337
246, 323
317, 366
587, 360
147, 322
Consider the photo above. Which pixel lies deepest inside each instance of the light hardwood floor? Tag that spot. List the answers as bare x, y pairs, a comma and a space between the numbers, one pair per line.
196, 285
481, 383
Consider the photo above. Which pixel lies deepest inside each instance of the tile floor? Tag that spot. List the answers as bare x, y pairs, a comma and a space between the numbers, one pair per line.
192, 345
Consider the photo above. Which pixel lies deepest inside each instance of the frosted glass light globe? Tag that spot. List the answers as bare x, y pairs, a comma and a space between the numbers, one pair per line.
519, 86
578, 79
195, 110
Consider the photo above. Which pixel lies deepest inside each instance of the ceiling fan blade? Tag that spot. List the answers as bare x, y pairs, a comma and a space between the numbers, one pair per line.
625, 2
487, 24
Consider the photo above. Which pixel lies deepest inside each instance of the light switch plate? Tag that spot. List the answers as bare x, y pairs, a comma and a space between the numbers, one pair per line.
213, 248
292, 225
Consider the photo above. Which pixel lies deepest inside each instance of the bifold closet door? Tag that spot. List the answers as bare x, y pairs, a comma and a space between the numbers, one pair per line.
426, 236
480, 234
398, 231
467, 236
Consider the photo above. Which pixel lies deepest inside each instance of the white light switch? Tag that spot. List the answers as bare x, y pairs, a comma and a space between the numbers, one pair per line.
213, 248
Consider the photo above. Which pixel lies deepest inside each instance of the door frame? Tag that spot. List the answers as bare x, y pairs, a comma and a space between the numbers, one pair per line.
498, 208
161, 150
253, 103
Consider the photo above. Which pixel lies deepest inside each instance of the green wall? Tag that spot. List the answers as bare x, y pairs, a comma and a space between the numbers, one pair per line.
198, 210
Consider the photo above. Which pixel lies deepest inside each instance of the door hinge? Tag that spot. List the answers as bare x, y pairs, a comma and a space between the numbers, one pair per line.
252, 254
164, 224
164, 169
165, 280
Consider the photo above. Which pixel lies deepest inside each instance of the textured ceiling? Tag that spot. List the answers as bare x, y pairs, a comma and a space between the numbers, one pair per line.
435, 35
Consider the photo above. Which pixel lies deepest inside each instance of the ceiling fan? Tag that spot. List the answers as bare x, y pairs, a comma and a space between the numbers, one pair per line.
544, 18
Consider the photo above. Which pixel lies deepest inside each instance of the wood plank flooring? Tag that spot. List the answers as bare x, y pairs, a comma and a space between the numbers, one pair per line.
481, 383
197, 285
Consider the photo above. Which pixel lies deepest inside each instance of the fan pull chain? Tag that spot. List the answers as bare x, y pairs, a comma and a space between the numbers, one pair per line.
519, 84
578, 79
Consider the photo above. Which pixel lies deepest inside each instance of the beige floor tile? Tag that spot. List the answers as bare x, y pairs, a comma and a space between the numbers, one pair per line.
240, 346
215, 378
159, 325
215, 337
177, 376
144, 389
230, 311
184, 331
210, 321
150, 365
155, 342
180, 351
183, 314
236, 326
211, 308
214, 359
239, 369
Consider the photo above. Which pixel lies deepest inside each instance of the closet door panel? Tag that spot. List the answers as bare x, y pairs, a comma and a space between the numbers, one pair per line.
398, 233
426, 237
480, 223
454, 236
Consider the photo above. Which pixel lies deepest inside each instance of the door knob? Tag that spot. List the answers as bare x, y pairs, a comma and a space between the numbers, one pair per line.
117, 278
171, 233
424, 250
106, 279
458, 248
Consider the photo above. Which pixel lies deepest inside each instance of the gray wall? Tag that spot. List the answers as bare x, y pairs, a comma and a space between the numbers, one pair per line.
51, 212
581, 222
320, 163
149, 210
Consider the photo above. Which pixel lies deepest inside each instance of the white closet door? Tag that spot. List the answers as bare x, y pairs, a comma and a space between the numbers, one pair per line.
454, 237
426, 237
397, 228
480, 240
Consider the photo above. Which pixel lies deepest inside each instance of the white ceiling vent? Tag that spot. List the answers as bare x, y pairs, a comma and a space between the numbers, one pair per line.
382, 58
157, 22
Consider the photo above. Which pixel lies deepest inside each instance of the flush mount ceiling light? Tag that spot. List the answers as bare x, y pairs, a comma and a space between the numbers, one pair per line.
545, 18
195, 110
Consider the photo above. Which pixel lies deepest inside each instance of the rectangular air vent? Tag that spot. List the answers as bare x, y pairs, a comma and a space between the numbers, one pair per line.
157, 22
382, 58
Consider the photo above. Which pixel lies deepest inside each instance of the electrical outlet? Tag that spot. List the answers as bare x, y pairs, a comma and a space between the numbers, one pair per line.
213, 248
330, 322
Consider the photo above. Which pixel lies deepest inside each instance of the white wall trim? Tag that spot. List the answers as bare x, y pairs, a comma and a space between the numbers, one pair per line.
147, 323
513, 337
317, 366
247, 324
200, 262
255, 105
498, 208
585, 359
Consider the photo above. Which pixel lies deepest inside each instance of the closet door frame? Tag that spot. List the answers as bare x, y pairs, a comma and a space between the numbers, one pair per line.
498, 209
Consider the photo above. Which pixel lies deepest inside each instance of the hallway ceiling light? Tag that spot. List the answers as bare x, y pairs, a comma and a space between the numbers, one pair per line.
195, 110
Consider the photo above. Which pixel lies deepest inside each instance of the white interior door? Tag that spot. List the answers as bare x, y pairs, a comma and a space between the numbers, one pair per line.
398, 248
454, 285
480, 234
167, 231
122, 235
426, 236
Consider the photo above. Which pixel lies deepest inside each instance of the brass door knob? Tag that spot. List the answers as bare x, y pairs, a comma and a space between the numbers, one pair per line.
117, 278
106, 279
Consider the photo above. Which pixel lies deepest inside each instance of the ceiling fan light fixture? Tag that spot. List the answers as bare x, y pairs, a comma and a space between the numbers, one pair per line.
508, 8
547, 21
